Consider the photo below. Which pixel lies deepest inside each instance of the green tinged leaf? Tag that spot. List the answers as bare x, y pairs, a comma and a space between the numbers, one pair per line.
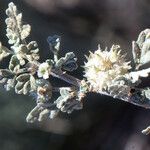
54, 43
4, 51
64, 92
25, 84
25, 31
53, 114
141, 39
26, 88
33, 115
5, 73
67, 102
146, 93
14, 64
32, 83
7, 78
40, 113
136, 51
19, 87
23, 77
68, 62
44, 114
10, 84
141, 49
16, 30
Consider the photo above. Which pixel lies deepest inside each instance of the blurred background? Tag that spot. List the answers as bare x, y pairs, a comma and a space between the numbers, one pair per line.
104, 123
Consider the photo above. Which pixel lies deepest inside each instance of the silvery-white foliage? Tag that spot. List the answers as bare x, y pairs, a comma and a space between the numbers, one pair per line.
106, 71
141, 48
4, 51
68, 101
68, 62
16, 31
54, 43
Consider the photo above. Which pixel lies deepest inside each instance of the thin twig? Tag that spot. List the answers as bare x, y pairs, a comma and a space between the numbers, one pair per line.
66, 77
138, 100
57, 89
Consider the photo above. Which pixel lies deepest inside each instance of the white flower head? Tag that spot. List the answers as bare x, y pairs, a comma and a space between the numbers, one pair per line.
44, 70
103, 67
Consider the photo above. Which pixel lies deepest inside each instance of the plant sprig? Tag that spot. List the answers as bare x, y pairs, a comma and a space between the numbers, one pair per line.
106, 71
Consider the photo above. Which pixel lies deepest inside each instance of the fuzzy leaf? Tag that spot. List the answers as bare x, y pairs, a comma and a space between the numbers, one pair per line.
53, 114
146, 93
68, 62
70, 65
19, 87
136, 52
40, 113
54, 43
145, 54
26, 88
67, 104
25, 31
16, 31
146, 131
14, 65
70, 106
43, 114
33, 115
32, 83
32, 45
5, 73
4, 51
141, 39
137, 74
3, 48
141, 48
23, 77
10, 84
64, 92
26, 83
